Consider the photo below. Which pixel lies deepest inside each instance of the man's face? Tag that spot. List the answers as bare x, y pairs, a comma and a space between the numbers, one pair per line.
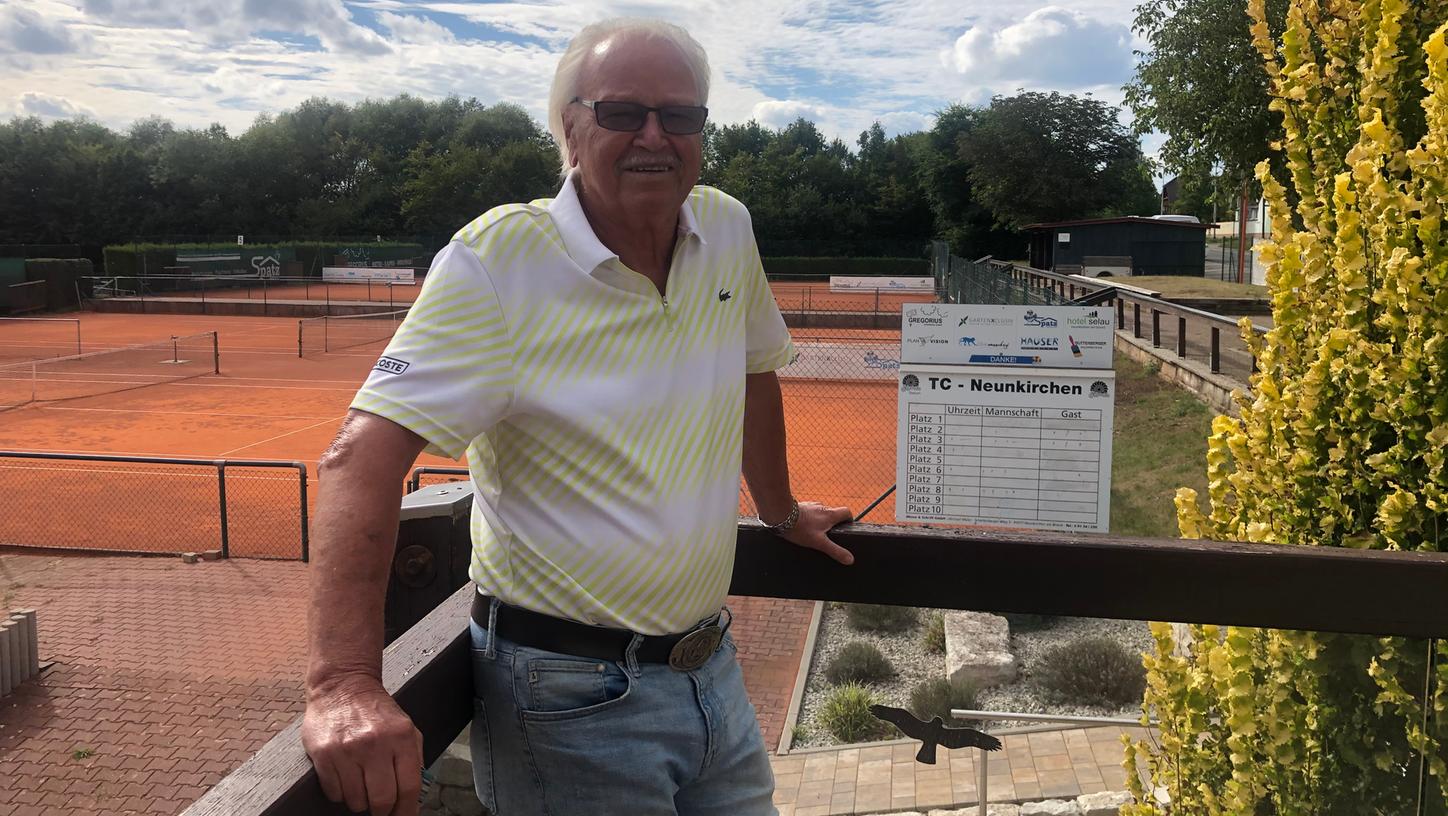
647, 172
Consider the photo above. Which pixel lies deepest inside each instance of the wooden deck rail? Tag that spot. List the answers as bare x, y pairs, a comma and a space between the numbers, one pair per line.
1333, 590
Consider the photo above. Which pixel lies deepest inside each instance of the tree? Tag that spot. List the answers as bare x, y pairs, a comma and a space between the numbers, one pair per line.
1342, 442
1049, 157
1201, 83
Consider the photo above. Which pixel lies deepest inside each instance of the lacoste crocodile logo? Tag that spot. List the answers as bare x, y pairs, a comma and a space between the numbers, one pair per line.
724, 294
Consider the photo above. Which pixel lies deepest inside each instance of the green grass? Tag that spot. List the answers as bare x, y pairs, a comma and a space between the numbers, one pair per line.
1159, 444
1183, 286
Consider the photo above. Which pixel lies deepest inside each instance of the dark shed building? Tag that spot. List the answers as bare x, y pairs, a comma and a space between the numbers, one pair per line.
1120, 246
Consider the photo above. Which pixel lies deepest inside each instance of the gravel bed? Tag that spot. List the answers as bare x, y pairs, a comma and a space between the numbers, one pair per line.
913, 663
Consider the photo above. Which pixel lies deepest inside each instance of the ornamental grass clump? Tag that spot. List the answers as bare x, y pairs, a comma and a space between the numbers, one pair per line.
933, 638
859, 662
846, 715
880, 618
937, 696
1095, 671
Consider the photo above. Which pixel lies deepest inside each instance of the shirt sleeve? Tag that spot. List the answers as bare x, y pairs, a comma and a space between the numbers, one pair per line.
447, 374
767, 345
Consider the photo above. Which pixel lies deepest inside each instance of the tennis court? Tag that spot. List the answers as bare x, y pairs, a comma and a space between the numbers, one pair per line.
264, 401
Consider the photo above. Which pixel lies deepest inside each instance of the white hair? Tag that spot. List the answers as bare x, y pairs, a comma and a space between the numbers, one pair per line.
565, 79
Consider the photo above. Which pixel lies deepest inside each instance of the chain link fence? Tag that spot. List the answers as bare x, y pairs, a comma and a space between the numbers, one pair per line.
153, 505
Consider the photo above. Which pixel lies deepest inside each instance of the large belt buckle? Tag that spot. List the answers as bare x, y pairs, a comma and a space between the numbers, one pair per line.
693, 650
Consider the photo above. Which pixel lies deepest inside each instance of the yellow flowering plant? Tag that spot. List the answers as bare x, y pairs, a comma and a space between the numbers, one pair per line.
1343, 440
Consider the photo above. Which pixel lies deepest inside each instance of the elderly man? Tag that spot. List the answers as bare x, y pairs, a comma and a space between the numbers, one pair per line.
606, 360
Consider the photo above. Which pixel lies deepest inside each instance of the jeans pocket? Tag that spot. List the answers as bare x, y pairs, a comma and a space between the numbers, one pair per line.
570, 688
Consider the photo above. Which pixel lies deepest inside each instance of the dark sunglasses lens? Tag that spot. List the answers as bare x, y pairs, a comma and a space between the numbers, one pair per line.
620, 115
682, 120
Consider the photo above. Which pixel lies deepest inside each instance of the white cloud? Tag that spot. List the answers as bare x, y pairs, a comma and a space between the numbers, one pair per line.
842, 66
777, 113
408, 28
1052, 45
232, 20
47, 107
25, 31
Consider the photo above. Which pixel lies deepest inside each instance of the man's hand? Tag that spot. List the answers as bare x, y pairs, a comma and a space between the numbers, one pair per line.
367, 752
812, 528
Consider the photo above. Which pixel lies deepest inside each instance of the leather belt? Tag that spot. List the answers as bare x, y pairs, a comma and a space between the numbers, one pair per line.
683, 652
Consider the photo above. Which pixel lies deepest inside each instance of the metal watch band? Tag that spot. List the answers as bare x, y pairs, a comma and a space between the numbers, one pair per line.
789, 520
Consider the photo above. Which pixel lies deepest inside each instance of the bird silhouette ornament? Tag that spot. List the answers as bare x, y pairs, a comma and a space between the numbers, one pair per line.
933, 733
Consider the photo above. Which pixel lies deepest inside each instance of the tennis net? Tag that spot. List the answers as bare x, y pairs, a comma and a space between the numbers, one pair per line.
319, 335
36, 338
109, 371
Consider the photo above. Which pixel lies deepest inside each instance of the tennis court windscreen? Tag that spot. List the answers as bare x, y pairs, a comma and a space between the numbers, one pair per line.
110, 371
319, 335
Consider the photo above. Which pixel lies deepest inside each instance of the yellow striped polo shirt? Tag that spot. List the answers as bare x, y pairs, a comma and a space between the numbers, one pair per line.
603, 422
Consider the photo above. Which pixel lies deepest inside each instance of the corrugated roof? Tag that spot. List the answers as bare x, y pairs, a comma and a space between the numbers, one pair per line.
1129, 219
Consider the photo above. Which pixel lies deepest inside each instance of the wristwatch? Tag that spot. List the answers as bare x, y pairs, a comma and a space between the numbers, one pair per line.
789, 520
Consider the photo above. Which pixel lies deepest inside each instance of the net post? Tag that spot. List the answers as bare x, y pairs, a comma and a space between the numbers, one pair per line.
299, 339
221, 489
215, 354
302, 487
175, 350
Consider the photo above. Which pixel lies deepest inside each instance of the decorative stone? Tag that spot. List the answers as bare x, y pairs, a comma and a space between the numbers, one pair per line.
1051, 807
978, 649
996, 809
1162, 796
453, 770
1106, 803
189, 558
462, 802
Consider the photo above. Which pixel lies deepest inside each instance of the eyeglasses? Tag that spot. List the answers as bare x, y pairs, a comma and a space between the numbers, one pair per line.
680, 120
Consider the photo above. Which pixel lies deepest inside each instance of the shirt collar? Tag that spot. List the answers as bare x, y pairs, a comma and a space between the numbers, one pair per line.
578, 235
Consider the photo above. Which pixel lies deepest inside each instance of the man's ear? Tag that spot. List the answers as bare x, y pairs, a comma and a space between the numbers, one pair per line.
568, 139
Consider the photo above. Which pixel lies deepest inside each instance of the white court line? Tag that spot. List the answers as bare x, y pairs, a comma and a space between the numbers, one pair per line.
182, 413
280, 436
167, 454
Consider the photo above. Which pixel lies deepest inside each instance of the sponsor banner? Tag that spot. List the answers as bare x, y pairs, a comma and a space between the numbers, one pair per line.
261, 262
979, 334
844, 283
1016, 448
364, 274
836, 360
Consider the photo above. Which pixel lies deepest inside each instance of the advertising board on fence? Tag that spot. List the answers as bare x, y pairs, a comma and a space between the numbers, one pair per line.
843, 360
1026, 336
364, 274
844, 283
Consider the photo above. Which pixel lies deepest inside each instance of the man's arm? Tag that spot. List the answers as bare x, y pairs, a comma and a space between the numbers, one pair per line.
766, 468
366, 750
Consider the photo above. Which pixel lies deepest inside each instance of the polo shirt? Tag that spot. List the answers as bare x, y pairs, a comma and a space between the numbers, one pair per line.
602, 422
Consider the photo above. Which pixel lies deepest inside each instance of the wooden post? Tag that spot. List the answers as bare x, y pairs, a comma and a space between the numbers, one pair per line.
1181, 336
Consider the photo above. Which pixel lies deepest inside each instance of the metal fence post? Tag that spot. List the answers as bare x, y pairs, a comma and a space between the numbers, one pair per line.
982, 786
221, 489
302, 487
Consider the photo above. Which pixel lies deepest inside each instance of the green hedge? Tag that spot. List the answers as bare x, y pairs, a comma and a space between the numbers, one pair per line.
794, 268
152, 259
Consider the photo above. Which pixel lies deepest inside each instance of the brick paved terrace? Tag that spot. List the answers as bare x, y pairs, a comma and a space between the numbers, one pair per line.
167, 676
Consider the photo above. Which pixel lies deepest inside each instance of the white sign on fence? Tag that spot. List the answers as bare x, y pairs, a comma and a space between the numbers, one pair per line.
1008, 448
843, 360
363, 274
1025, 336
844, 283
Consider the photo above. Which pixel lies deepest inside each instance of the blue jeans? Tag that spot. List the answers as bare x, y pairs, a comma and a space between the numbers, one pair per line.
559, 735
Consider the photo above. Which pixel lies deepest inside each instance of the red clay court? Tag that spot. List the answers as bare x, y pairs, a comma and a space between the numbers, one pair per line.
168, 675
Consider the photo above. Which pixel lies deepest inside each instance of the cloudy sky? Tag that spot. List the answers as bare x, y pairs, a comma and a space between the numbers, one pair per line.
842, 64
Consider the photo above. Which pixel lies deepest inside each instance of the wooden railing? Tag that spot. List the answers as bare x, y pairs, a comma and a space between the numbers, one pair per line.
1271, 586
1194, 333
